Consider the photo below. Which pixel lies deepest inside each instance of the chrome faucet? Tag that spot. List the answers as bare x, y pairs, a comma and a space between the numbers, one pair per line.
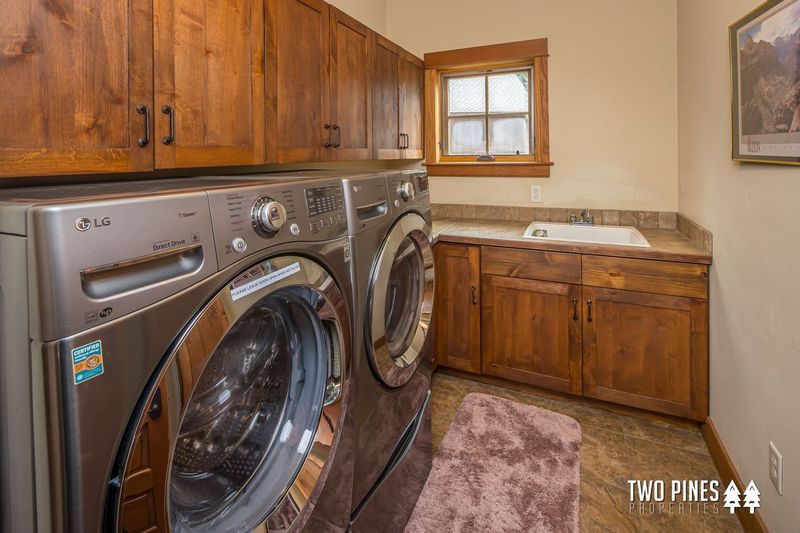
585, 219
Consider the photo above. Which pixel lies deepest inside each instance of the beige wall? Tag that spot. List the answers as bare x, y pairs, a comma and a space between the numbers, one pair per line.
613, 94
755, 291
369, 12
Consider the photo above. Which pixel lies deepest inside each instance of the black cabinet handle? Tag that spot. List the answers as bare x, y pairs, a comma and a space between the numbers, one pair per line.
167, 110
338, 131
328, 144
474, 295
144, 110
574, 309
405, 145
589, 314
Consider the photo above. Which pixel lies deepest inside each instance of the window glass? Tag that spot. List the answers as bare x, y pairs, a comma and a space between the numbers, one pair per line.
509, 135
467, 136
509, 93
488, 113
467, 95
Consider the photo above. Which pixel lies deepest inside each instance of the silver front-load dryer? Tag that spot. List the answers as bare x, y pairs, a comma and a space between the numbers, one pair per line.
393, 278
188, 368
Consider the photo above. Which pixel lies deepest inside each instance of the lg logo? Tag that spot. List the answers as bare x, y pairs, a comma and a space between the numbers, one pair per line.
85, 224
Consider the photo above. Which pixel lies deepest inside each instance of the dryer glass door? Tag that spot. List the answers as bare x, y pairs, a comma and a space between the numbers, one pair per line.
401, 301
247, 403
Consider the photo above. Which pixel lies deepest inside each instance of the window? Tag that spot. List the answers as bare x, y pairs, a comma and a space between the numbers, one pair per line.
489, 109
488, 113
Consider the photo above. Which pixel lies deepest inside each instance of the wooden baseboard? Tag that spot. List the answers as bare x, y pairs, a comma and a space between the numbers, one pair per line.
727, 472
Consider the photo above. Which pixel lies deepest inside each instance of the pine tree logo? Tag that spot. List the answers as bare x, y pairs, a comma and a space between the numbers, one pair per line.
732, 497
752, 498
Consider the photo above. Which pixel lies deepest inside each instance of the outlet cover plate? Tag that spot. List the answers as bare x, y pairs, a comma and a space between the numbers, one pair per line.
776, 467
536, 194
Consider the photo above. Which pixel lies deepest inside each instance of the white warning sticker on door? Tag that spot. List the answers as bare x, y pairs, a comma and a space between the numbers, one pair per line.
264, 281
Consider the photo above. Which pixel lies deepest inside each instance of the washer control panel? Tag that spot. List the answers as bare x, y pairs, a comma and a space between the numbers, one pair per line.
254, 214
325, 207
268, 216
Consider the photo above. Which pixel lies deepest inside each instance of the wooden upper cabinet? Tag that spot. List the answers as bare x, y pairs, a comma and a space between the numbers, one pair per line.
531, 332
457, 309
209, 70
71, 77
298, 53
386, 99
411, 76
646, 350
350, 88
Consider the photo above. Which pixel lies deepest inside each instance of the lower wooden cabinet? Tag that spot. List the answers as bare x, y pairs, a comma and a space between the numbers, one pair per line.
568, 334
531, 332
458, 316
646, 350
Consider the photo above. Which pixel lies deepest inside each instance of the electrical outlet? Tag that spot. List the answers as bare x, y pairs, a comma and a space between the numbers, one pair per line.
776, 467
536, 193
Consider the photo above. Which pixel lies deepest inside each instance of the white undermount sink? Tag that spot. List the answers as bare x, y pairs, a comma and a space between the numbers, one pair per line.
619, 235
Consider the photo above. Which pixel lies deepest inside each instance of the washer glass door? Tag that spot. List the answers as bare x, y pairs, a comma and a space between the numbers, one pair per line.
401, 301
246, 402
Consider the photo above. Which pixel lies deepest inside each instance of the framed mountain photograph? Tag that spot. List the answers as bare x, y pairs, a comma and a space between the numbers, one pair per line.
765, 77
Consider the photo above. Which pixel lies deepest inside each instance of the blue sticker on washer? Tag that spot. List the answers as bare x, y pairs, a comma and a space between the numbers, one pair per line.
87, 362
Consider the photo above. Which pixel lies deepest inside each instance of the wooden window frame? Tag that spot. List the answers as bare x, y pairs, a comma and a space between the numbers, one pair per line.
521, 54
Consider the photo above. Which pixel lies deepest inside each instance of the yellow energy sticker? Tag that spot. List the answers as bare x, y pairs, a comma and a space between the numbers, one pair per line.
87, 362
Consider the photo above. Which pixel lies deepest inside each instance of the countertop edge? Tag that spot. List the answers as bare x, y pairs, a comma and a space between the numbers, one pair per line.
576, 248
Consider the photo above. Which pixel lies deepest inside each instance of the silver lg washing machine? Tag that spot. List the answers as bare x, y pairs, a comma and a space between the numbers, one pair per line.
175, 356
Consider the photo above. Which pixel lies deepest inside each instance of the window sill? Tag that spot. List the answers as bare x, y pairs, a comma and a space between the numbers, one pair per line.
495, 169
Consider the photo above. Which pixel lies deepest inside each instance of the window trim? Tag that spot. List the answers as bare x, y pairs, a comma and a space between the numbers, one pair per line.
508, 56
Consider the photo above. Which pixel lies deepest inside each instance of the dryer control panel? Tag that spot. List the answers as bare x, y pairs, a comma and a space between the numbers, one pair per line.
249, 218
409, 191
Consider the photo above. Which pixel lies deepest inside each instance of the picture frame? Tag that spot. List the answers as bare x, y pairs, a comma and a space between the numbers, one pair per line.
765, 84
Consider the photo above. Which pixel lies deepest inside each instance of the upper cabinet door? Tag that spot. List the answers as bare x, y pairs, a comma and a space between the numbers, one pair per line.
411, 81
386, 112
72, 75
298, 51
209, 72
350, 88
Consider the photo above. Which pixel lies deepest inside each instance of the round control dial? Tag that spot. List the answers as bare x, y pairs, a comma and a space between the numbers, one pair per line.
269, 216
406, 190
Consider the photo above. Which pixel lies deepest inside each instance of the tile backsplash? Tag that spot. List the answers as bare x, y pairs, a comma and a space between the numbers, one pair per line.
668, 220
606, 217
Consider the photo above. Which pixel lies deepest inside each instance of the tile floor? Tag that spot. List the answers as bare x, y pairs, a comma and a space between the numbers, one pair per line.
615, 448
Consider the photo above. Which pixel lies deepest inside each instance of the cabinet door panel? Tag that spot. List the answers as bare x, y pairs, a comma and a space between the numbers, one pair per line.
458, 327
531, 332
210, 70
386, 111
298, 53
71, 77
647, 350
351, 87
411, 80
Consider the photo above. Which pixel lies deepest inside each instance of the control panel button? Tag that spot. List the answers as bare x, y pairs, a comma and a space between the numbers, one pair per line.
239, 245
406, 190
268, 216
294, 229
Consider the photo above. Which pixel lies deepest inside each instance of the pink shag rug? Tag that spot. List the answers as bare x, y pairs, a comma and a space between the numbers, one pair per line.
503, 466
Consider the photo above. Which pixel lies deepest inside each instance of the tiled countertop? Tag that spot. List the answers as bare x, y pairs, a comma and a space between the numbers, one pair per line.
668, 245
